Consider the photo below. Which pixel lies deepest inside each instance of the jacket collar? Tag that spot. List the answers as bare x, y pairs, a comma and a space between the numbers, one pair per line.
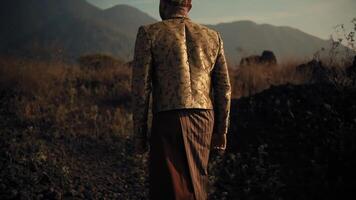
176, 16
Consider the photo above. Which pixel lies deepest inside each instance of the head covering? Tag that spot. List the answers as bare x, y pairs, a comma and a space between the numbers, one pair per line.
183, 3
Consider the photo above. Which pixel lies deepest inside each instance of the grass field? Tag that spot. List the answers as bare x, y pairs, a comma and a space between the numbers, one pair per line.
66, 131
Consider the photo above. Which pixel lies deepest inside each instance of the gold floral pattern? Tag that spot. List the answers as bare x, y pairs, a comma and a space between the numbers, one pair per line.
182, 64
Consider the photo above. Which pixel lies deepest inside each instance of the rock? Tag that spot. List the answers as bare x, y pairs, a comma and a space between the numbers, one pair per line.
267, 58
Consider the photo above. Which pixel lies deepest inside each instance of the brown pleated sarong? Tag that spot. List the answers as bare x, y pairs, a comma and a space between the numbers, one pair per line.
178, 160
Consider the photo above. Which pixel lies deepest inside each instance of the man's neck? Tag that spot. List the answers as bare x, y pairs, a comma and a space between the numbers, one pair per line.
175, 12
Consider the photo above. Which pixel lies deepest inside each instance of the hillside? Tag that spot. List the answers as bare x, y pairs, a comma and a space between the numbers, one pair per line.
66, 133
291, 142
22, 18
244, 38
72, 28
126, 17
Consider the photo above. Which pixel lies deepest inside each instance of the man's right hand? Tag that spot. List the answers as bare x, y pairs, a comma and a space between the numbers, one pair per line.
219, 142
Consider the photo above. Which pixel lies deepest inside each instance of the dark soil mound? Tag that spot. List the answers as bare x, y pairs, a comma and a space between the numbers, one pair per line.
291, 142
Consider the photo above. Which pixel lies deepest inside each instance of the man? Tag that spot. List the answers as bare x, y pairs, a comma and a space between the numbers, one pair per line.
183, 64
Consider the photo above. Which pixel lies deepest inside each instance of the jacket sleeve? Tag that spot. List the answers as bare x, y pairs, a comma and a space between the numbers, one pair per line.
222, 92
141, 82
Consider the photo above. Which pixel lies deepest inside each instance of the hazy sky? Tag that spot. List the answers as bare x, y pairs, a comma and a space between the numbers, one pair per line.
317, 17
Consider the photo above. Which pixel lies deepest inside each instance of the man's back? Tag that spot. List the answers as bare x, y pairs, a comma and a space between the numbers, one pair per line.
184, 54
183, 64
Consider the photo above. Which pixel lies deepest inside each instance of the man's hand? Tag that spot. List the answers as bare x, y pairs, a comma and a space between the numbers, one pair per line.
141, 145
219, 142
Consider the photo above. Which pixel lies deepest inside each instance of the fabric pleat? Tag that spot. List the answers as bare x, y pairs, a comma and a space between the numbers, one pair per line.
178, 159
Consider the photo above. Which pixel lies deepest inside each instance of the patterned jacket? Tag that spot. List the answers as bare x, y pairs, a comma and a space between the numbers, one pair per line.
183, 64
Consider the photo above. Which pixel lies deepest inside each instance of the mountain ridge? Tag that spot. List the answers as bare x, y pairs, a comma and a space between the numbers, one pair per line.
113, 31
247, 37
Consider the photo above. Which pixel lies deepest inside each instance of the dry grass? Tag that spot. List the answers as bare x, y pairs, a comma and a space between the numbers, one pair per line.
249, 80
68, 98
73, 124
63, 91
75, 127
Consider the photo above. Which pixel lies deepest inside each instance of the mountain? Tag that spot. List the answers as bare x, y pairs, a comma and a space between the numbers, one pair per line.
126, 16
71, 28
22, 18
244, 38
43, 28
